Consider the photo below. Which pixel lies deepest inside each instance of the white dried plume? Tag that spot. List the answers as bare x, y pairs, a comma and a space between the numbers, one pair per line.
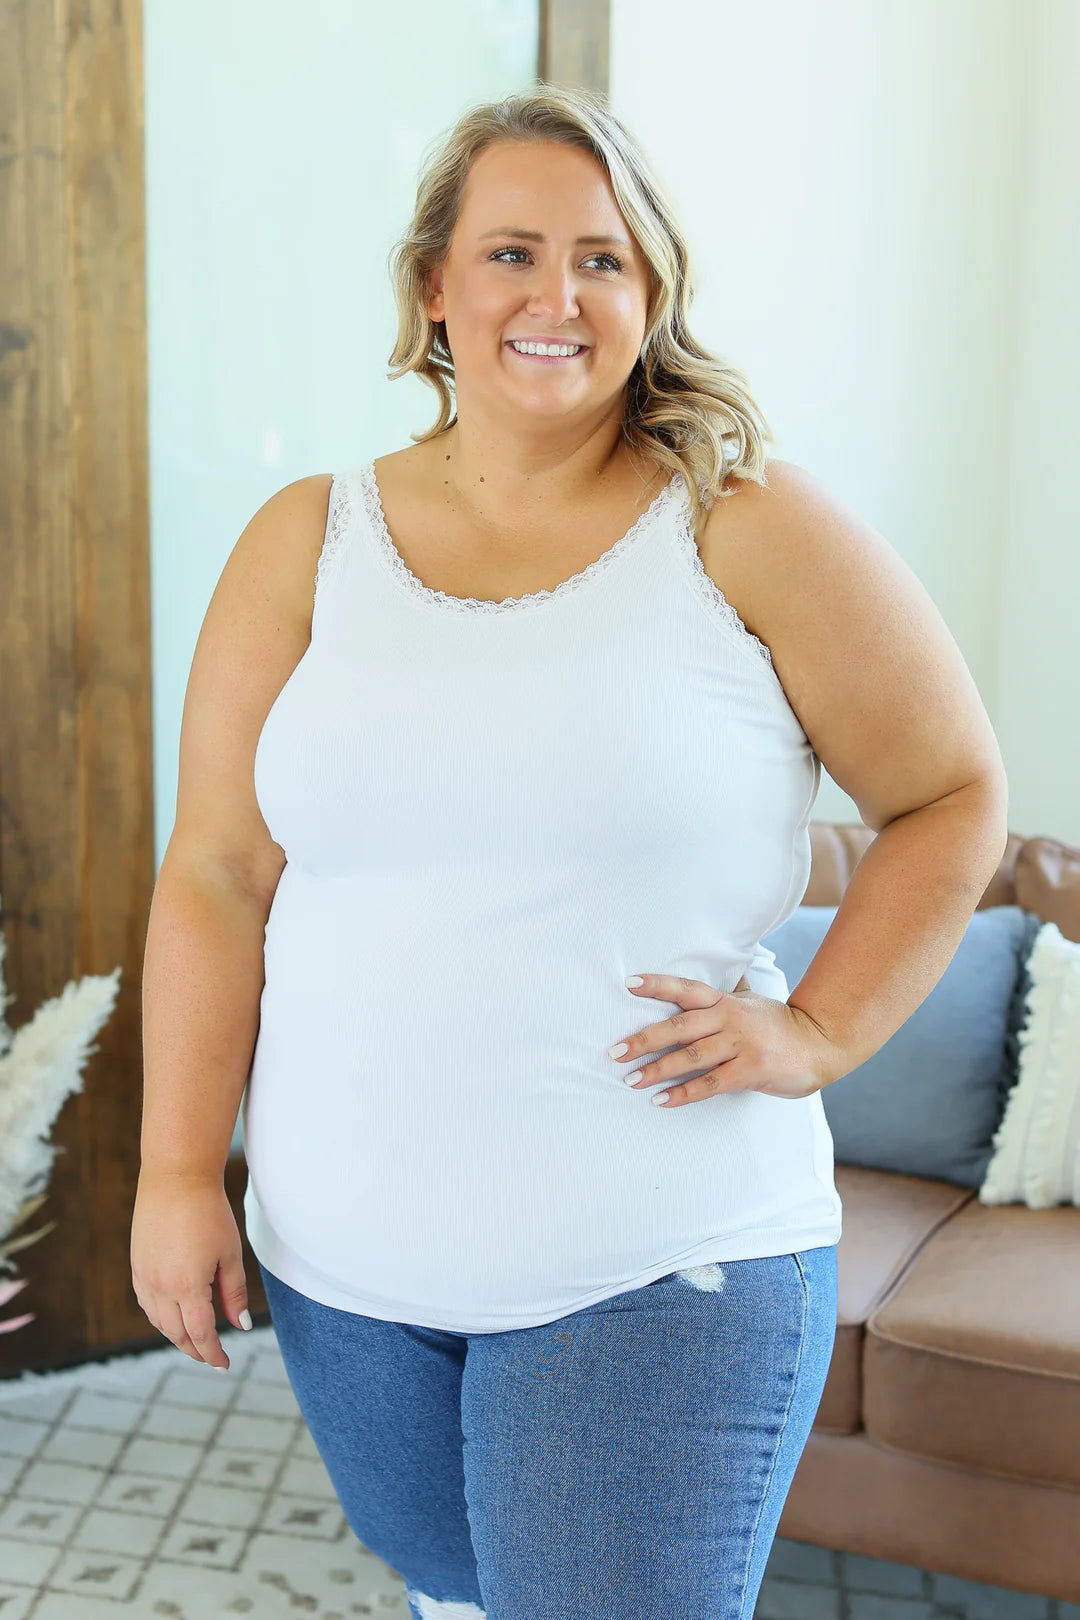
41, 1064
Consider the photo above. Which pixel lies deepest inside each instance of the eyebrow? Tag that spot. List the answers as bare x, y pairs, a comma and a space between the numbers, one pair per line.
538, 236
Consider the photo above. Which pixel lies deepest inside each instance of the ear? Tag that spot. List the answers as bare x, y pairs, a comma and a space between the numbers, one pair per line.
435, 305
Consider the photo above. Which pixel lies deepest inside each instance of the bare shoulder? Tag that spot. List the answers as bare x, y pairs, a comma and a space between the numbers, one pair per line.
740, 546
738, 526
265, 593
284, 538
866, 660
802, 561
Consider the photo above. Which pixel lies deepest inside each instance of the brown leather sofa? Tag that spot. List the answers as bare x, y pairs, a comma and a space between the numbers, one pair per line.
948, 1435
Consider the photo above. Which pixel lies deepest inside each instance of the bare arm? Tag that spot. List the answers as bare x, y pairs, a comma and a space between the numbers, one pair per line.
202, 979
892, 711
203, 964
203, 961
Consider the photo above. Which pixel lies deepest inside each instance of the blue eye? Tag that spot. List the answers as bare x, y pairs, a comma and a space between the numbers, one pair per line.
611, 257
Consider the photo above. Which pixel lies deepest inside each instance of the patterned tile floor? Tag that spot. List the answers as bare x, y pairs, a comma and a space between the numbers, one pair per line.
150, 1488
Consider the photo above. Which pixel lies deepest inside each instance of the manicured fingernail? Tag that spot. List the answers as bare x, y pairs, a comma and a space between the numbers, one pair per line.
617, 1051
245, 1319
633, 981
661, 1097
217, 1368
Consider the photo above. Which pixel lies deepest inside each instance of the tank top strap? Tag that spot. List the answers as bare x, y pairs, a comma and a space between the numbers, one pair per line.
341, 515
681, 537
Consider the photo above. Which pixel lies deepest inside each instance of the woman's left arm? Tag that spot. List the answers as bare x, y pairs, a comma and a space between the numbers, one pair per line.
883, 693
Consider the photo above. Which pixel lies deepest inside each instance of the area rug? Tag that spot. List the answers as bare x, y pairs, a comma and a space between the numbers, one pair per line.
151, 1487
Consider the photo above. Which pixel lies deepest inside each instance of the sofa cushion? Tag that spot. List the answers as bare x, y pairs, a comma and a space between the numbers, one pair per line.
928, 1102
1046, 880
1036, 1158
887, 1218
974, 1358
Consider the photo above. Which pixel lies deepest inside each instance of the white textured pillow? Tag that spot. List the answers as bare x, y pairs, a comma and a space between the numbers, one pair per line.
1036, 1159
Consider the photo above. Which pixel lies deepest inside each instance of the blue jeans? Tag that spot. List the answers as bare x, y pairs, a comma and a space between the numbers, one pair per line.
627, 1461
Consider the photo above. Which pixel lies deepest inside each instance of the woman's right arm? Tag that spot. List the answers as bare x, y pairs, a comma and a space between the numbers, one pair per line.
203, 961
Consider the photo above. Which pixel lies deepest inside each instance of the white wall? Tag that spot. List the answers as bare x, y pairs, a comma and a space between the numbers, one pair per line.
882, 200
282, 150
1037, 628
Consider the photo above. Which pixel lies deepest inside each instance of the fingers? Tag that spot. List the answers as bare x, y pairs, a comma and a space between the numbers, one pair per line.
186, 1326
198, 1314
719, 1081
681, 1027
699, 1071
169, 1321
232, 1286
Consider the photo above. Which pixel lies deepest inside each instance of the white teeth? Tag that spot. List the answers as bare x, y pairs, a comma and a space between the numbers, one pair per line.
544, 348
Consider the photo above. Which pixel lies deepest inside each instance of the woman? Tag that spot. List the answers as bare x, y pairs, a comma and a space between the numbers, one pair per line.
495, 818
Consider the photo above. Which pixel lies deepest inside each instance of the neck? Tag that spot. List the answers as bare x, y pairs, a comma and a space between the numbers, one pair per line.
511, 485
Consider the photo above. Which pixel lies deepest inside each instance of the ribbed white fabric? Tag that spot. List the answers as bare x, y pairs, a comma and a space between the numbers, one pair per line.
492, 812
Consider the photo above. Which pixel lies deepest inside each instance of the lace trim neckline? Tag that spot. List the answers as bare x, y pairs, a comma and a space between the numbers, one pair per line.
674, 489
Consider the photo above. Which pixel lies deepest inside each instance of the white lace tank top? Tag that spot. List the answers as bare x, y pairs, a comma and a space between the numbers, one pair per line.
492, 813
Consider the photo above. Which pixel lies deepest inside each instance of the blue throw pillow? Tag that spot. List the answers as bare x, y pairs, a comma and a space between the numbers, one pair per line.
929, 1101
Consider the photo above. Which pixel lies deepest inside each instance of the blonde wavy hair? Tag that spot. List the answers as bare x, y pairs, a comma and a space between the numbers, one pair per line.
687, 410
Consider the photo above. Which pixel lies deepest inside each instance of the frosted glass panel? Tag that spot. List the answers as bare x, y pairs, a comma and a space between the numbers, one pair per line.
282, 146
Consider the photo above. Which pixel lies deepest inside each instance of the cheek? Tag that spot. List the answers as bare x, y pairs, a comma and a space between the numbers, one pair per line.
478, 308
625, 322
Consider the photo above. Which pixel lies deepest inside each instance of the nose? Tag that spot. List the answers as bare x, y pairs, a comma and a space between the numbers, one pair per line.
552, 296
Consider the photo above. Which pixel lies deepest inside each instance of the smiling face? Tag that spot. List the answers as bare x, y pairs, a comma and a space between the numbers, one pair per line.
519, 267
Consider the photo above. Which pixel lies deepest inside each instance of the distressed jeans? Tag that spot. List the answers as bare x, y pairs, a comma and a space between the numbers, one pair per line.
628, 1461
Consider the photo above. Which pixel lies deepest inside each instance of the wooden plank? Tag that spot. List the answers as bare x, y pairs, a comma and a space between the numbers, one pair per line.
574, 43
76, 806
